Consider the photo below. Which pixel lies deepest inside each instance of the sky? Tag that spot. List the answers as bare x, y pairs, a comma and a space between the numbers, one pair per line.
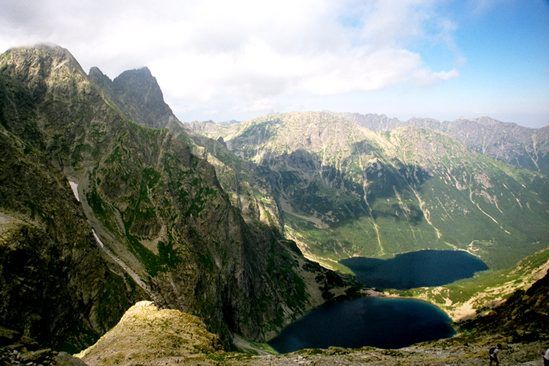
233, 60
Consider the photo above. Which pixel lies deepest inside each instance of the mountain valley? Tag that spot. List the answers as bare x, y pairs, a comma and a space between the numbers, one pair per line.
345, 190
136, 239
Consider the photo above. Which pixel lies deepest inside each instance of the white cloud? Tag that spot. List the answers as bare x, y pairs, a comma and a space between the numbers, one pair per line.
219, 57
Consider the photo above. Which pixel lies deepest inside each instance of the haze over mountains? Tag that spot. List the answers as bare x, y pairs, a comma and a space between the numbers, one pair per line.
514, 144
366, 185
215, 219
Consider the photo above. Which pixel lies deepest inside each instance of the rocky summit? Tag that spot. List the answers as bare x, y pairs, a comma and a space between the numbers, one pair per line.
130, 238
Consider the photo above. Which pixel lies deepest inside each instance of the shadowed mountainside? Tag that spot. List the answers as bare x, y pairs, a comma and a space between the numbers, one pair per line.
162, 222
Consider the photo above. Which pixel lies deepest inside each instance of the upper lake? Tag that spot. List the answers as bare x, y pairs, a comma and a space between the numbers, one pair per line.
415, 269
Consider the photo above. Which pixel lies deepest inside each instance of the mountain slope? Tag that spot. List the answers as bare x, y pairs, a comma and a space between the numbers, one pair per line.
131, 91
347, 190
54, 283
516, 145
159, 213
523, 316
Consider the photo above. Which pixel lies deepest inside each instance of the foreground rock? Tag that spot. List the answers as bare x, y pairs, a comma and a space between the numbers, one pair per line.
147, 335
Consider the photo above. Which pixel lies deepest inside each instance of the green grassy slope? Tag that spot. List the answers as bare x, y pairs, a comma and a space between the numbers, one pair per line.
469, 297
348, 191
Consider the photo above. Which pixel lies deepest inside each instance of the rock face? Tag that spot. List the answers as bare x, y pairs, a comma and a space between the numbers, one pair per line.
16, 349
346, 190
164, 228
147, 335
519, 146
138, 94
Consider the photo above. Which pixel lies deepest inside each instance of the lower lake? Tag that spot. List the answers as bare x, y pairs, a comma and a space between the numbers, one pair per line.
415, 269
366, 321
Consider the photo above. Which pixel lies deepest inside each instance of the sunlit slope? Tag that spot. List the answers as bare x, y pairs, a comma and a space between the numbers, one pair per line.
346, 190
513, 144
472, 296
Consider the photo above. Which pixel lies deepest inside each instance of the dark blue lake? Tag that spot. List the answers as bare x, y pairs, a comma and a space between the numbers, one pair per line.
415, 269
366, 321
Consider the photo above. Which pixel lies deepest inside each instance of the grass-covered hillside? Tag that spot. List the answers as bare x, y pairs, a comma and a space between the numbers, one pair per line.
347, 190
467, 298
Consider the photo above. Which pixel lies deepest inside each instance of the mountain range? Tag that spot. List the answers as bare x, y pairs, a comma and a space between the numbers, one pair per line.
107, 199
351, 185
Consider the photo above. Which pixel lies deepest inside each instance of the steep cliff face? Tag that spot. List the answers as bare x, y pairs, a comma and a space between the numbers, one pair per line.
249, 186
138, 94
160, 216
54, 284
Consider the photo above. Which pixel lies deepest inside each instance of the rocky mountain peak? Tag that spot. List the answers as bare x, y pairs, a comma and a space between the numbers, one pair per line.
41, 60
374, 122
143, 72
95, 73
142, 83
43, 50
103, 81
488, 121
138, 94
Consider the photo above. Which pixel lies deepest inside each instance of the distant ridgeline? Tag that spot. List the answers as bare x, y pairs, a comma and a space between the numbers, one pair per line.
350, 185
